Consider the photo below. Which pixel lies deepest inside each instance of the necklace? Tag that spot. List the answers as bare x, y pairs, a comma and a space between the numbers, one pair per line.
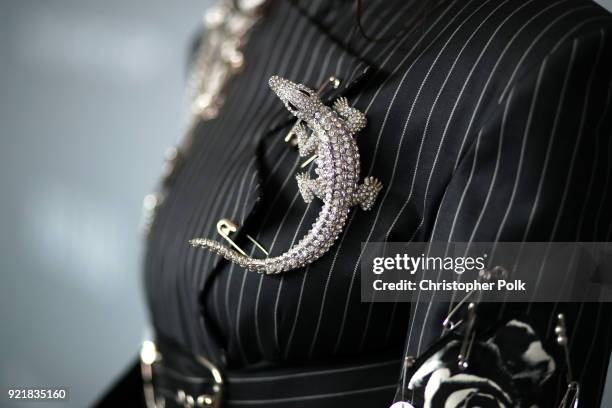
217, 59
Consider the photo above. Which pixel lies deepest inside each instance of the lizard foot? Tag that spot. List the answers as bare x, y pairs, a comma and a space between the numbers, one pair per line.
355, 119
305, 185
306, 144
367, 193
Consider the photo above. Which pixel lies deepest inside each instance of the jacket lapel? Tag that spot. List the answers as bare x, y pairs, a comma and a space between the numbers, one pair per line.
313, 57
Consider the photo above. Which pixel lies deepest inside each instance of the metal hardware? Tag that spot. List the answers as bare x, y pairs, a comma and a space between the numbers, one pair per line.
561, 332
150, 204
225, 227
188, 401
448, 325
308, 161
217, 59
409, 361
572, 393
204, 401
485, 275
184, 399
496, 273
291, 136
149, 356
468, 338
571, 396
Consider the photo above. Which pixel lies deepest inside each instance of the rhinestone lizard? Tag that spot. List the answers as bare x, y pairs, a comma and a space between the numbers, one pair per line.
338, 168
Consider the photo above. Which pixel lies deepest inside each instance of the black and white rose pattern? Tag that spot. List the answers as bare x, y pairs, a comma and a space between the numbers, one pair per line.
440, 383
504, 371
523, 354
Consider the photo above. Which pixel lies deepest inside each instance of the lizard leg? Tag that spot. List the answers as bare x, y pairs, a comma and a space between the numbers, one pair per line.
307, 144
367, 193
355, 119
309, 188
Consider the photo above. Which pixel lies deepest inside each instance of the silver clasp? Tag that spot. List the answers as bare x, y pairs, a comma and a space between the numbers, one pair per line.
225, 227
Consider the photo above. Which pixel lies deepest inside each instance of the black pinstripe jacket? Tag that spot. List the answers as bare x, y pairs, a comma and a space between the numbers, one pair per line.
487, 121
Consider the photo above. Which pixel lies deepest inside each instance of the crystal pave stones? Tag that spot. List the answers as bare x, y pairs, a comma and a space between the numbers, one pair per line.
219, 55
338, 168
217, 59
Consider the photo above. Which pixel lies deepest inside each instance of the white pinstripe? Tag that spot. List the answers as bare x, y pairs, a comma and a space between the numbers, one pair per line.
329, 273
549, 146
303, 53
608, 166
592, 175
501, 55
254, 88
311, 397
297, 229
369, 172
472, 70
231, 271
295, 236
424, 134
570, 171
245, 186
537, 38
476, 109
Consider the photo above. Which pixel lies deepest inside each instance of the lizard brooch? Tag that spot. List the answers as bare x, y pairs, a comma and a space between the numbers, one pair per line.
337, 184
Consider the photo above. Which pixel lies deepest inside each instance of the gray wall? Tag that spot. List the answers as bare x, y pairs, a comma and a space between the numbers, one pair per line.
90, 94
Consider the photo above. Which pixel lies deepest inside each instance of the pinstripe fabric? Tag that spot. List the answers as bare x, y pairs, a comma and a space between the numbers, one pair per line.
489, 120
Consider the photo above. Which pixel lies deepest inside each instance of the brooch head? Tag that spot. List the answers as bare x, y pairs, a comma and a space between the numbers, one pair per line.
301, 101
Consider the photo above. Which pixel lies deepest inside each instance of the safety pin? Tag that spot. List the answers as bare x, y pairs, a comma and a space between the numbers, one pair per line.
572, 393
468, 338
571, 396
307, 162
290, 137
448, 325
485, 275
225, 227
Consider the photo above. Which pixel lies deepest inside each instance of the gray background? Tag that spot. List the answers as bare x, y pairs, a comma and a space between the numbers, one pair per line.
91, 93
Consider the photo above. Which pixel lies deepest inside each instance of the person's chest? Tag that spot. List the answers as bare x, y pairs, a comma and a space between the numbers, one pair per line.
425, 94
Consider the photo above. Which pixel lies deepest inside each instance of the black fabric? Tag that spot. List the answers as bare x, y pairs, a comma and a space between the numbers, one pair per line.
127, 391
179, 370
487, 121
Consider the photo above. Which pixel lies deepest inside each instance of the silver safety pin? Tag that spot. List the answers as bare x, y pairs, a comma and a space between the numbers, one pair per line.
225, 227
570, 398
291, 138
485, 275
468, 338
572, 393
448, 325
